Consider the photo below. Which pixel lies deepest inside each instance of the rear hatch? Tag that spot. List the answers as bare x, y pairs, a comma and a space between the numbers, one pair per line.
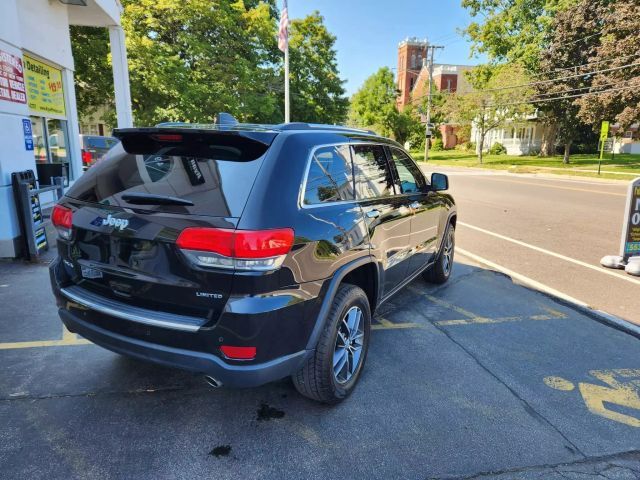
130, 208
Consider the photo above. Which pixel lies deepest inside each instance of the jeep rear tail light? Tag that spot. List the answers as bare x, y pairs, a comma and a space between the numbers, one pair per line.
62, 219
236, 249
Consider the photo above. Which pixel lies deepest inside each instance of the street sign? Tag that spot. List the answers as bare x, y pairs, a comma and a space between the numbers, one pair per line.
604, 131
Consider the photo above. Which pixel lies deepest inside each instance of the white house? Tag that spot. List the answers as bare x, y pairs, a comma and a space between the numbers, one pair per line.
38, 116
521, 137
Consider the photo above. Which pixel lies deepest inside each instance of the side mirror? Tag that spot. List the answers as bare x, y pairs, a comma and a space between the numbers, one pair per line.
439, 182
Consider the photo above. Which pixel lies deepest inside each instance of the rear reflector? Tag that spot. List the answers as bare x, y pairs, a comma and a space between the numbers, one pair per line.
238, 353
240, 249
62, 219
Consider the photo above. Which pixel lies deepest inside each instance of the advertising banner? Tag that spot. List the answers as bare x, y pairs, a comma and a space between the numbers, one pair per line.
45, 93
12, 87
631, 232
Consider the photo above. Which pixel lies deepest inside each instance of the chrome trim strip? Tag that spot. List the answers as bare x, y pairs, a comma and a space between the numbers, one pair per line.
134, 314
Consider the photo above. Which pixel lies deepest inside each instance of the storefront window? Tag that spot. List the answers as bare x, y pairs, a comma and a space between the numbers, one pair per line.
39, 139
57, 130
50, 138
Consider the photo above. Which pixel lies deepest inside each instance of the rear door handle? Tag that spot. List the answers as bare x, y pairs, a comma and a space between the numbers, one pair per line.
373, 213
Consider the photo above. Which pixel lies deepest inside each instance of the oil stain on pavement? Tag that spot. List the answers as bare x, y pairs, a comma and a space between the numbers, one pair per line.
266, 413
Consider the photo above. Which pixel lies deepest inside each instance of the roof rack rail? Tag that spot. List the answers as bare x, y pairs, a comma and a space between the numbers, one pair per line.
226, 121
320, 126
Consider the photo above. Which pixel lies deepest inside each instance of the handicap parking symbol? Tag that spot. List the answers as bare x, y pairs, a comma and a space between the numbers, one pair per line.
28, 134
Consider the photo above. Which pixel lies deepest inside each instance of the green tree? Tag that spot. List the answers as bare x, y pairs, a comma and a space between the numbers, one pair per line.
518, 31
317, 92
374, 106
572, 42
94, 80
618, 47
492, 103
189, 60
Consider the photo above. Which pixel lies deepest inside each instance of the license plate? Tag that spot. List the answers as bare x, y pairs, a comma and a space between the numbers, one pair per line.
88, 272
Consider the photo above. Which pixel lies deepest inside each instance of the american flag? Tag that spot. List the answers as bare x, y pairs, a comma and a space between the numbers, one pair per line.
283, 32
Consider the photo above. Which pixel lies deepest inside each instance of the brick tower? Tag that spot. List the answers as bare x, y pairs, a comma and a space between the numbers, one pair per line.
411, 53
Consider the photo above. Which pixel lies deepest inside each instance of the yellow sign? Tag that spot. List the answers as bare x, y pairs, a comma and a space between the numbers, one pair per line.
45, 93
604, 131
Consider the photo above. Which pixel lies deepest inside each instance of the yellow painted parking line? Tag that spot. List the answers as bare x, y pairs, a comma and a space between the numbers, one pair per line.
68, 339
618, 387
384, 324
471, 318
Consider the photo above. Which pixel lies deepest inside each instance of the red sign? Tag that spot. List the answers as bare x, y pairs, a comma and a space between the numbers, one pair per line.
11, 78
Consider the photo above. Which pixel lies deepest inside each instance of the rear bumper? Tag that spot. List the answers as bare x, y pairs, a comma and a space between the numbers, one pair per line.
209, 364
278, 325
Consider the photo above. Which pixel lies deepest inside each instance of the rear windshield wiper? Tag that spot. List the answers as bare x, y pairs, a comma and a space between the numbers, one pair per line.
151, 199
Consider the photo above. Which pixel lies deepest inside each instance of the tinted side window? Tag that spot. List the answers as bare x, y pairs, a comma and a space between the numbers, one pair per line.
372, 175
411, 179
330, 176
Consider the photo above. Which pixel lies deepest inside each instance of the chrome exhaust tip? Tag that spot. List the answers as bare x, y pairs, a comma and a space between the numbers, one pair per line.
214, 382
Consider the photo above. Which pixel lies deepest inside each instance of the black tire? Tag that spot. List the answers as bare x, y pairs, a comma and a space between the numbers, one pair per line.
440, 271
316, 379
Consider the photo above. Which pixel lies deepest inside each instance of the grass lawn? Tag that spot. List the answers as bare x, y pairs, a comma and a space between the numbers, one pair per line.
531, 164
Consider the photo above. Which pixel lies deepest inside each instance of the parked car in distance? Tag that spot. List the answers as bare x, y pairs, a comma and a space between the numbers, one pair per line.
248, 253
94, 147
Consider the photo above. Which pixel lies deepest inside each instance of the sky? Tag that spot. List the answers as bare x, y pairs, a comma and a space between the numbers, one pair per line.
368, 31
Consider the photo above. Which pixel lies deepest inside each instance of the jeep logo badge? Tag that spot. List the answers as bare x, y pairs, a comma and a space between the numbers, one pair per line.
117, 223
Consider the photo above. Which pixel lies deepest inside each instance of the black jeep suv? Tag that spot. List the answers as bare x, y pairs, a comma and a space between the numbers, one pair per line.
248, 253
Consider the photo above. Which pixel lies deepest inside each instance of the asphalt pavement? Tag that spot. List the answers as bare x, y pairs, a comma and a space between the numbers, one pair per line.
479, 378
551, 230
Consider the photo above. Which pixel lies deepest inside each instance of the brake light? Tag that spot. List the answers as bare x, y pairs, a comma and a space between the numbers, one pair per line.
239, 249
238, 353
167, 137
86, 157
62, 219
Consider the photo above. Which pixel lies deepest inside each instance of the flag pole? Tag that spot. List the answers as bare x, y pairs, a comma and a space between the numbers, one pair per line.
287, 117
283, 45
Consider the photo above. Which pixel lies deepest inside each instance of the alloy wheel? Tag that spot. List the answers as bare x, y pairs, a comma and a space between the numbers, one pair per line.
347, 354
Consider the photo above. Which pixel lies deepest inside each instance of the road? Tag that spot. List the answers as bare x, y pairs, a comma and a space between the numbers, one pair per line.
553, 231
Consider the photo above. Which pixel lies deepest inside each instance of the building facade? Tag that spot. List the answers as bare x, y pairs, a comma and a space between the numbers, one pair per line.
39, 127
413, 81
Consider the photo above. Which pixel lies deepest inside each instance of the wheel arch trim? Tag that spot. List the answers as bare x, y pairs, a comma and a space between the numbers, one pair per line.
332, 289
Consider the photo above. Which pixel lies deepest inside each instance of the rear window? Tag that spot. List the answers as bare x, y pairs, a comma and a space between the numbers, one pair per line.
100, 142
216, 178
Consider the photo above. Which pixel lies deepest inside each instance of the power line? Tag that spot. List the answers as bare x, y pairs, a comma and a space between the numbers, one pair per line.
588, 64
586, 87
543, 82
562, 97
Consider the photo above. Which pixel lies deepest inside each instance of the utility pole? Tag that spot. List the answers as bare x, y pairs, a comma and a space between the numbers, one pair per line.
428, 133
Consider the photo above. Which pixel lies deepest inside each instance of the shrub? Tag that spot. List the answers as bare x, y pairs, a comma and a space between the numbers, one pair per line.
497, 149
436, 145
466, 147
